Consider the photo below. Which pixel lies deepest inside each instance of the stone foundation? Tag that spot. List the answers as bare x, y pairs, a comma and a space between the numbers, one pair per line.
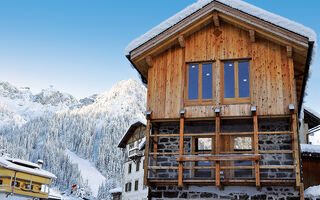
229, 193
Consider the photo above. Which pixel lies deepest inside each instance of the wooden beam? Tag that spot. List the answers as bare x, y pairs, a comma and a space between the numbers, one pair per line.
296, 148
256, 149
181, 41
252, 36
180, 182
149, 61
230, 157
215, 18
155, 146
146, 153
289, 51
217, 150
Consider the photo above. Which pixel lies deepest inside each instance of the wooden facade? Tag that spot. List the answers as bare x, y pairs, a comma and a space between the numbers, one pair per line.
216, 35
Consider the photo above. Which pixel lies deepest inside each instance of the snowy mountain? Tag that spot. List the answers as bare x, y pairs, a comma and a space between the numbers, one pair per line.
51, 124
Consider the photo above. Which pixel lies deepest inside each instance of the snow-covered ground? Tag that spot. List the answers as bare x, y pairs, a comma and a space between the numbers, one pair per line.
312, 192
88, 172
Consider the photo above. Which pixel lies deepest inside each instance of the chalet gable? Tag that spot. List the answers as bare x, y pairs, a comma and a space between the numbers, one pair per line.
296, 38
131, 134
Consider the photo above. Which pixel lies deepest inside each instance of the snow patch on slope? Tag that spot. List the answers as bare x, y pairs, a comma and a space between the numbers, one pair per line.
88, 172
312, 192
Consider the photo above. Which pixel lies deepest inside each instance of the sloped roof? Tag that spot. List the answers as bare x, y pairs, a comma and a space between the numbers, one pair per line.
236, 4
24, 166
129, 132
311, 117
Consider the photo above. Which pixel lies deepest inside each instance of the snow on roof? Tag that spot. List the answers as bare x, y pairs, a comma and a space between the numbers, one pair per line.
23, 162
7, 163
236, 4
310, 110
142, 143
313, 191
115, 190
310, 148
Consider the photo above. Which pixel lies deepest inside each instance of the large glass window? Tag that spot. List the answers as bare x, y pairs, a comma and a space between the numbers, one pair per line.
200, 82
236, 81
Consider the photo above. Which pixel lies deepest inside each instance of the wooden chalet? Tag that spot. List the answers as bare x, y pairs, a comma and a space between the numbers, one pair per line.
226, 82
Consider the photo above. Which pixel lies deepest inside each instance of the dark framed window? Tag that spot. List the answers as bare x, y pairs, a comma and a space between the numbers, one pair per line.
136, 185
128, 187
129, 168
200, 83
138, 165
236, 81
1, 181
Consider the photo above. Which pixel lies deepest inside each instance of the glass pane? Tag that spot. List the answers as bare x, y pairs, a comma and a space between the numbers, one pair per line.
207, 81
204, 144
229, 88
205, 173
244, 89
242, 143
193, 82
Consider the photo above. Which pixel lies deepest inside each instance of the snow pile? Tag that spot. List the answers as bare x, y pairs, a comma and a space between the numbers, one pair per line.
54, 193
115, 190
309, 148
88, 172
312, 192
236, 4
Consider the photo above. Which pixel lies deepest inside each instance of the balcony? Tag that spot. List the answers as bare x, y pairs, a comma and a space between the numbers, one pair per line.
257, 151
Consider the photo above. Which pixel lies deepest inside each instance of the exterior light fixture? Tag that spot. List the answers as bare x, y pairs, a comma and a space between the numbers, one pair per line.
149, 112
217, 110
183, 111
253, 108
291, 107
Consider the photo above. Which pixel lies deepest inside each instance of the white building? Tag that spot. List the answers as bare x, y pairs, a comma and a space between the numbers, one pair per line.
133, 143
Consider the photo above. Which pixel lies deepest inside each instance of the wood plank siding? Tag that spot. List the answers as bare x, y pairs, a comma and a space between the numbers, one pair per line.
272, 86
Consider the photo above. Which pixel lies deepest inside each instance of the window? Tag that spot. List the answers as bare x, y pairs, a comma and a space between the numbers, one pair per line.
136, 185
1, 182
236, 84
129, 168
143, 164
242, 143
200, 82
15, 184
203, 145
128, 187
138, 165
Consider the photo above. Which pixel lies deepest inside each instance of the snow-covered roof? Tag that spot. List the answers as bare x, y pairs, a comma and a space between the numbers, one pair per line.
236, 4
310, 148
115, 190
24, 166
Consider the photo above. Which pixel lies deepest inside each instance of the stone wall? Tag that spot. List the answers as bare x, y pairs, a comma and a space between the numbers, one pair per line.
229, 193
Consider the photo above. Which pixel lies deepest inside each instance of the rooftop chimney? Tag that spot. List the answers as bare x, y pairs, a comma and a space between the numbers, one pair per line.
40, 163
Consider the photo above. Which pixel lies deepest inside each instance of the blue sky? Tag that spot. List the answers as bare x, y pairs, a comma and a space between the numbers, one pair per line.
78, 45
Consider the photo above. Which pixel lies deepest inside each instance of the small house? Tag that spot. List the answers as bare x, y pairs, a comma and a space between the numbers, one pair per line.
20, 178
133, 145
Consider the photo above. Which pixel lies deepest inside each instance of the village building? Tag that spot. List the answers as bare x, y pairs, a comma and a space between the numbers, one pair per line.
20, 178
133, 144
226, 82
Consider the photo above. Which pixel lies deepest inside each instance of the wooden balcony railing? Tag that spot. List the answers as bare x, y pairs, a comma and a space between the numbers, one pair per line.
222, 164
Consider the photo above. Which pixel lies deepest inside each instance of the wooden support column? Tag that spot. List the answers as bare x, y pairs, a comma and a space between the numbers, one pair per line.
146, 152
252, 36
256, 149
295, 148
215, 18
217, 148
180, 182
155, 145
181, 41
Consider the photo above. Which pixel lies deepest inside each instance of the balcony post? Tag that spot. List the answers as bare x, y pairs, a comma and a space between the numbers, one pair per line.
217, 149
146, 151
180, 182
256, 149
